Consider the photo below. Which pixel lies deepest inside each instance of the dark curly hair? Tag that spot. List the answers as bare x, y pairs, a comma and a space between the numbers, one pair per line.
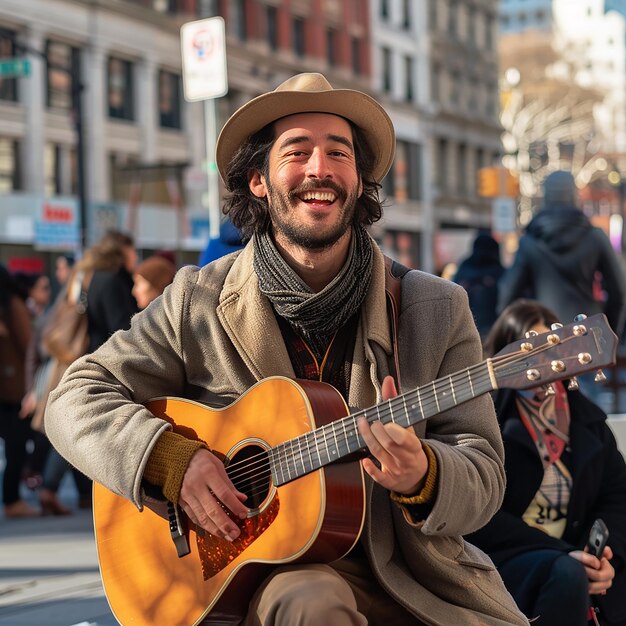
249, 213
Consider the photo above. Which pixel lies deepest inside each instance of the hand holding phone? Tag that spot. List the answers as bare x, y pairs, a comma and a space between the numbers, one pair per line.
598, 537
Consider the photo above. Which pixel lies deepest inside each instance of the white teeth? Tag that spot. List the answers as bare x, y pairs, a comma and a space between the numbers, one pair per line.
322, 196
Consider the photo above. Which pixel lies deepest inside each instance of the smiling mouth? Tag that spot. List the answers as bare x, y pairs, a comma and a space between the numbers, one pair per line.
325, 197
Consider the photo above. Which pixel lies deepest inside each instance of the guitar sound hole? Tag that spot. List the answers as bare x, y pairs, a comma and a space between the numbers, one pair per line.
249, 469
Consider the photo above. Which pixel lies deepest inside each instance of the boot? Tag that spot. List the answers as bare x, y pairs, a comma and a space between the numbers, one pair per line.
19, 508
50, 504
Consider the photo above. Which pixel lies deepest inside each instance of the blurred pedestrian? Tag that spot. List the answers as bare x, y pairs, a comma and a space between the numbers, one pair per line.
479, 274
563, 471
558, 258
230, 240
15, 333
151, 277
110, 302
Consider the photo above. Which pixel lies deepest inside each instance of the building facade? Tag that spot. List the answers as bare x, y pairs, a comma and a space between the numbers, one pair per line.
431, 64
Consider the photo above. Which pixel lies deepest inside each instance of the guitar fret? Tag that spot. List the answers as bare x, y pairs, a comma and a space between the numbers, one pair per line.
336, 450
359, 443
300, 455
393, 419
406, 411
436, 398
419, 400
452, 389
469, 378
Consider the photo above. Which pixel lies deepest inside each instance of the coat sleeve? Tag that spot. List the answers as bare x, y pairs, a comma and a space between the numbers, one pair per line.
96, 418
614, 282
465, 439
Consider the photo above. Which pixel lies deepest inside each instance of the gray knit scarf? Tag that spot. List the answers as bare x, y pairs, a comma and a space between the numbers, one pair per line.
314, 316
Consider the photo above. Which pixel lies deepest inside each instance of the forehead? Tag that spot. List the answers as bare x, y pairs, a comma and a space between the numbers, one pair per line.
309, 124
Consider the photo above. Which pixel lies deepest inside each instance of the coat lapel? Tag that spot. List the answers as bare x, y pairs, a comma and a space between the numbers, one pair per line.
249, 320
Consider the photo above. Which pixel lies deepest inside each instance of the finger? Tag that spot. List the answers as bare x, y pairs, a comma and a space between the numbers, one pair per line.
388, 389
212, 517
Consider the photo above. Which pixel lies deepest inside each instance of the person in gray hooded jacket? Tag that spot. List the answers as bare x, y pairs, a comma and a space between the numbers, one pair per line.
559, 257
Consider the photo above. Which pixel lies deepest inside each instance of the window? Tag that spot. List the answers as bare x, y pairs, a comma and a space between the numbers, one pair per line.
356, 55
406, 14
389, 182
384, 9
52, 169
435, 83
9, 165
169, 100
386, 61
462, 168
272, 27
414, 160
63, 70
442, 164
238, 13
453, 19
8, 86
120, 89
205, 8
298, 37
331, 47
433, 16
408, 79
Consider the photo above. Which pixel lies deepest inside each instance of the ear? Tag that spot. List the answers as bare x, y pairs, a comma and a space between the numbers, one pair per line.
256, 182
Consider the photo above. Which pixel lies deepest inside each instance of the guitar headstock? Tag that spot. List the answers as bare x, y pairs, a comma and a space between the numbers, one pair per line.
564, 352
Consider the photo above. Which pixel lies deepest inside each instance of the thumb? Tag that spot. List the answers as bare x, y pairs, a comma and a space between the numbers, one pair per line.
389, 388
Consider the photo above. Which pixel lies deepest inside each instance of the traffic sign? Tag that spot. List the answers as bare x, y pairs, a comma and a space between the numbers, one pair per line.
203, 47
503, 215
14, 68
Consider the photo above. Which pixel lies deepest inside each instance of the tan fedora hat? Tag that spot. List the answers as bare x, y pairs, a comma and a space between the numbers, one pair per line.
310, 93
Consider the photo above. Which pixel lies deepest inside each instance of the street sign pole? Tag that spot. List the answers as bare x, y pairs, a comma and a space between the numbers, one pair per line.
203, 44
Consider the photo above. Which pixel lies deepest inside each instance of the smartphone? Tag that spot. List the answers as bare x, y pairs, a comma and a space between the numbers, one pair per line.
598, 536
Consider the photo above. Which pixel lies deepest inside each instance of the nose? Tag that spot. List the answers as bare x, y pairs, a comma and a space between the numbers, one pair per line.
319, 165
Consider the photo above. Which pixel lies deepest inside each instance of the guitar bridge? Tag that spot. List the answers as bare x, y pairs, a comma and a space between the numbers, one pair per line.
177, 530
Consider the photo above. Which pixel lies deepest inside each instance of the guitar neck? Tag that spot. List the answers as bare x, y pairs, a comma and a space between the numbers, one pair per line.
339, 439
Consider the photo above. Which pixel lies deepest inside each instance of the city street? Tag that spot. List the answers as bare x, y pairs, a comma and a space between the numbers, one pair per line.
49, 569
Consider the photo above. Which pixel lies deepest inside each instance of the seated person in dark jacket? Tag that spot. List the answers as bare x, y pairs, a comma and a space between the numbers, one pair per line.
563, 471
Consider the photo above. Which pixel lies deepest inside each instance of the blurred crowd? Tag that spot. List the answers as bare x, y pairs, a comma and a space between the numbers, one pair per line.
115, 287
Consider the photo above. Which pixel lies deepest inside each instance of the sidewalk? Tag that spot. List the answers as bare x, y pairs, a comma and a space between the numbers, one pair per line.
49, 569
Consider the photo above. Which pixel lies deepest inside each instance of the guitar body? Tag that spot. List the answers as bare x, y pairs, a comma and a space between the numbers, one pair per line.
317, 518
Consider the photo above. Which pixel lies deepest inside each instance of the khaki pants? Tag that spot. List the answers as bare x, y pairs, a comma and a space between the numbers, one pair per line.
344, 594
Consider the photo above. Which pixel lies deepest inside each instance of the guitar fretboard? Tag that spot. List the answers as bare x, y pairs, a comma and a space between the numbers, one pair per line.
332, 442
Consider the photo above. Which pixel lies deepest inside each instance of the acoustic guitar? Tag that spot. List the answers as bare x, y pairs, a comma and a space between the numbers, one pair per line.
292, 448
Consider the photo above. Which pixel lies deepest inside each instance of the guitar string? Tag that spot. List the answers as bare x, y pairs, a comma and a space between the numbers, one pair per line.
383, 411
294, 456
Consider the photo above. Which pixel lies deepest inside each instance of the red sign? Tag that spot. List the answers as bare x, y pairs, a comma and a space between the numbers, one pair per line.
59, 214
28, 265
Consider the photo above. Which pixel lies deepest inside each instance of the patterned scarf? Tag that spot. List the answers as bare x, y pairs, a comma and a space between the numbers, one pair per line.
315, 316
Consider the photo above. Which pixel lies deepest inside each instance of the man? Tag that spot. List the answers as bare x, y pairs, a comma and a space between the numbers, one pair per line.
306, 298
559, 258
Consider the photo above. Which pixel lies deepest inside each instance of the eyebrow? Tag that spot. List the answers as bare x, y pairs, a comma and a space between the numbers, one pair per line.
290, 141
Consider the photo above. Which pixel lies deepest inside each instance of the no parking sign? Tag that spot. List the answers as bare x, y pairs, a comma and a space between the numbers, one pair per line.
203, 47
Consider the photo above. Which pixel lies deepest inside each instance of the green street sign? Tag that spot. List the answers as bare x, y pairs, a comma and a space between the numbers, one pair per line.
14, 68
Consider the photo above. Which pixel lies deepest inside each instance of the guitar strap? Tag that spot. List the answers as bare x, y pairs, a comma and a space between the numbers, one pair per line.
394, 273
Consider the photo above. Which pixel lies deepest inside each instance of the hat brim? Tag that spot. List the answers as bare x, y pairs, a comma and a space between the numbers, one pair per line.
355, 106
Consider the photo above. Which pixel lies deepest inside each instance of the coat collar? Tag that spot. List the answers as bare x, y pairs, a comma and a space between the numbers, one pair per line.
248, 318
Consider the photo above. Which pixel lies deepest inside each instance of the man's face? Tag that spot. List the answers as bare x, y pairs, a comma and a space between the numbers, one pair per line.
313, 186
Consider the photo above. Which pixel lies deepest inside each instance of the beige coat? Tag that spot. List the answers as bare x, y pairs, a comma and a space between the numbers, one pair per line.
213, 334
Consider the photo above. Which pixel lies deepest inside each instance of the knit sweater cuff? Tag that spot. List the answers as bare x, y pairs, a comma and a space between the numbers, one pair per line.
427, 493
168, 462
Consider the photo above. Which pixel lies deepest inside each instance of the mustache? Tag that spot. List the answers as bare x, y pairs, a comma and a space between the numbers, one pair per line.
312, 185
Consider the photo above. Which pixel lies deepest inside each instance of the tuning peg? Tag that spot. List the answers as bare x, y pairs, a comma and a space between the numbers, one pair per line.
573, 384
549, 389
580, 317
531, 333
600, 377
556, 326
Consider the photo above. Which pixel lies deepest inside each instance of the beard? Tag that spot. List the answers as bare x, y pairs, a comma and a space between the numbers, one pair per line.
284, 219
